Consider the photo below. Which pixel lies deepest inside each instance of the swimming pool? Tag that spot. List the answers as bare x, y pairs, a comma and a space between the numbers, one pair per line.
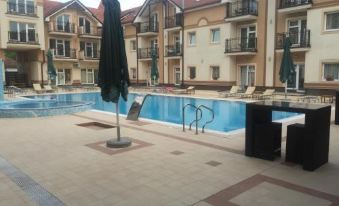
229, 115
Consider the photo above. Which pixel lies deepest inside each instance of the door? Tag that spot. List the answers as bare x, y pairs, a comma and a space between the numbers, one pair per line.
247, 75
297, 31
154, 22
296, 82
61, 77
248, 35
177, 75
177, 44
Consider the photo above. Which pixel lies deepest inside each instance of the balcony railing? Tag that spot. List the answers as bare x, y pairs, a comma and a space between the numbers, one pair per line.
293, 3
63, 28
15, 37
146, 53
174, 21
241, 45
172, 51
90, 31
21, 9
148, 27
300, 39
64, 54
242, 8
89, 55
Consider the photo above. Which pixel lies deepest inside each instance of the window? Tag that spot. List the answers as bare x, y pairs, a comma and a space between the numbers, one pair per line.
215, 35
63, 23
134, 73
22, 32
21, 6
192, 72
215, 72
133, 44
332, 21
192, 38
62, 48
63, 76
247, 75
331, 71
90, 49
87, 76
85, 25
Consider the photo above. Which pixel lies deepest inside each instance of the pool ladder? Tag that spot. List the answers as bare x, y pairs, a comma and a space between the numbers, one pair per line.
198, 110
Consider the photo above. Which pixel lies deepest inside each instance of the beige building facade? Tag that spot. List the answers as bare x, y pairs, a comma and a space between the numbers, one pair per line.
22, 40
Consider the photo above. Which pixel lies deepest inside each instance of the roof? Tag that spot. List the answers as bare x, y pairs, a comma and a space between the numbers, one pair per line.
192, 4
128, 16
50, 7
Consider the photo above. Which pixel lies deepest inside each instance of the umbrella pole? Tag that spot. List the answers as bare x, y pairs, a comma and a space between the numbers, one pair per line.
118, 122
286, 90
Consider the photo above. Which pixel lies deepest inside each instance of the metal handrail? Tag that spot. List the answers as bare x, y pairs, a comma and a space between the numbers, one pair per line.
196, 121
208, 122
183, 117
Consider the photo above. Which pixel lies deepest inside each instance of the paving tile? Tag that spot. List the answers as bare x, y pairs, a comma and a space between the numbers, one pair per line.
177, 152
213, 163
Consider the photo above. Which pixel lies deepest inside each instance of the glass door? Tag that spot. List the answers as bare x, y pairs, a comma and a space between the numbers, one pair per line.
297, 31
154, 22
61, 77
247, 75
177, 44
296, 81
248, 35
177, 75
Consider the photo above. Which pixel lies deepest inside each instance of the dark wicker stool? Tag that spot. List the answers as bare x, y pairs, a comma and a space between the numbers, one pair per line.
294, 143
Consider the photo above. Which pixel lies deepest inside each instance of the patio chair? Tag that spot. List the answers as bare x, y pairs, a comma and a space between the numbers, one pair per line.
248, 93
48, 88
232, 92
37, 88
266, 94
190, 90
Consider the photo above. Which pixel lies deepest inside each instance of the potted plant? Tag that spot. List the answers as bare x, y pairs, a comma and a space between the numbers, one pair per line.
329, 78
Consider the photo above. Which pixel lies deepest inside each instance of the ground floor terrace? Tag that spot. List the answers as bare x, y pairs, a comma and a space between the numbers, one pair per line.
63, 160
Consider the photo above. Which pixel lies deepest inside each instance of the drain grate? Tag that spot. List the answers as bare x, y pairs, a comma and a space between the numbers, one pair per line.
33, 190
96, 125
213, 163
177, 152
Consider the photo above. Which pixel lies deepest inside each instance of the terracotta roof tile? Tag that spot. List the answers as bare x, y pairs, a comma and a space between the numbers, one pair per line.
52, 6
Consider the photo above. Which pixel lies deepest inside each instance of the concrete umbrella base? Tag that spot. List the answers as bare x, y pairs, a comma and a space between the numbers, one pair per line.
122, 143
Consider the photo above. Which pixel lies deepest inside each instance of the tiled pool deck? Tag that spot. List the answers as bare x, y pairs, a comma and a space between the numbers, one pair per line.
70, 164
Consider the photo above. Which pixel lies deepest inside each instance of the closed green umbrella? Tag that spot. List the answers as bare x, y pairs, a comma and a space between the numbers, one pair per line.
287, 69
154, 68
113, 69
50, 66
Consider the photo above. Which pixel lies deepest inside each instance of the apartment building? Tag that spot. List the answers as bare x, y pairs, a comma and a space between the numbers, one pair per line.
228, 42
73, 34
22, 42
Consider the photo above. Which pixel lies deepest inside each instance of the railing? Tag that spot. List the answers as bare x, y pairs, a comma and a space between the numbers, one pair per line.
23, 37
64, 28
241, 45
241, 8
300, 39
146, 53
148, 27
65, 54
171, 50
94, 55
198, 110
21, 9
174, 21
293, 3
91, 31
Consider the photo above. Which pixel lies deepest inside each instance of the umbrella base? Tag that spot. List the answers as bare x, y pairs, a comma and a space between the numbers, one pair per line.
114, 143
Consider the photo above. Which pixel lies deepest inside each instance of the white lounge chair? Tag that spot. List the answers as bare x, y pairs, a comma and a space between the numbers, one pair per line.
37, 88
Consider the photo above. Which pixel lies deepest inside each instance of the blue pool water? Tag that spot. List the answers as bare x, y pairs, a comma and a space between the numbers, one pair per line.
229, 115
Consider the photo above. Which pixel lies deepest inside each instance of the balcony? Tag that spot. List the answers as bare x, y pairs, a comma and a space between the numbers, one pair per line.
174, 21
244, 10
68, 29
23, 40
21, 9
89, 55
146, 53
173, 51
65, 54
148, 29
90, 32
294, 6
241, 46
300, 40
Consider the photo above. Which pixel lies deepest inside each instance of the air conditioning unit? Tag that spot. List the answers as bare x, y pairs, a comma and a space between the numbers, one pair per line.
76, 65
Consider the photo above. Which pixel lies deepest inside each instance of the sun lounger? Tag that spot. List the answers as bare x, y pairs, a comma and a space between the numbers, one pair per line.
232, 92
48, 88
266, 94
248, 93
37, 88
191, 90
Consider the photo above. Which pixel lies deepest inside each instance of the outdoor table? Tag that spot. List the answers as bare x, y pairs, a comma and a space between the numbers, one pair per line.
317, 129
